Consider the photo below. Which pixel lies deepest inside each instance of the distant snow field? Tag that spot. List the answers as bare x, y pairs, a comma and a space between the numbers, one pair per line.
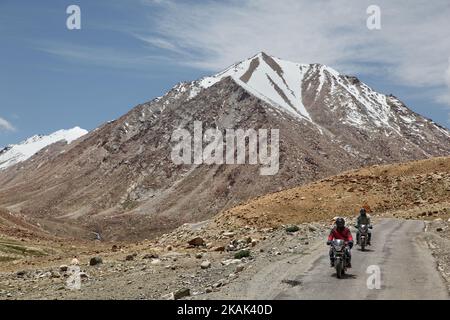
16, 153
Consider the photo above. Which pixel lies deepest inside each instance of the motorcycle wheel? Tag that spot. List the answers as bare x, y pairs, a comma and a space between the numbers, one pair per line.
339, 269
363, 246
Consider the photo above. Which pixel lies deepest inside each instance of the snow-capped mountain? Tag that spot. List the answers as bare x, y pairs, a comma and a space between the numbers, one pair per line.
120, 178
289, 86
16, 153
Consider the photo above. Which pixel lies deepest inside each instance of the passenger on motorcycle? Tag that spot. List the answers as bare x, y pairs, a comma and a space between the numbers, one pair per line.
363, 218
343, 233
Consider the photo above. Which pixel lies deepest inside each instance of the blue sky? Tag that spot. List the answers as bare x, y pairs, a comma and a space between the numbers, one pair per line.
128, 52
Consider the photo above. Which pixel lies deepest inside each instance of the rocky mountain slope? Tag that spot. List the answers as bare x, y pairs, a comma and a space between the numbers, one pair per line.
412, 190
119, 180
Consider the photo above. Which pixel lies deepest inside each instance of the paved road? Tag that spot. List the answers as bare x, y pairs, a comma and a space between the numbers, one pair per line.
407, 268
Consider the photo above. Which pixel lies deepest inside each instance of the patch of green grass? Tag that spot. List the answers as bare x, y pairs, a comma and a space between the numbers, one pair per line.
6, 259
9, 247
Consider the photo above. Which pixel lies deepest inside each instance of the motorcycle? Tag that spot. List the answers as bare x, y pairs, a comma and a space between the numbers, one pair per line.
340, 257
363, 236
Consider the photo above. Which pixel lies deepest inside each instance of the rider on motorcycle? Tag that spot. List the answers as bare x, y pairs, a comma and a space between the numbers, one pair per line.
343, 233
363, 218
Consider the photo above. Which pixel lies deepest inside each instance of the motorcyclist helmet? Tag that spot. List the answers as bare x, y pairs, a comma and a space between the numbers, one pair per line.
340, 223
362, 211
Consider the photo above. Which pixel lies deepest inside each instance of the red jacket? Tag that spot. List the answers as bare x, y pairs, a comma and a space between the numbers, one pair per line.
345, 235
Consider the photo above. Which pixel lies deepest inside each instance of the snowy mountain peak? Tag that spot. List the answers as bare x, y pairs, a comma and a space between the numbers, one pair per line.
309, 91
17, 153
277, 82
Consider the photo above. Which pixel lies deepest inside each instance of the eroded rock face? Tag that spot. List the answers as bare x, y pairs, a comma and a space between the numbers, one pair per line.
120, 179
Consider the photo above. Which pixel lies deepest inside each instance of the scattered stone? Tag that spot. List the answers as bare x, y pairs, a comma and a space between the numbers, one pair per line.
209, 290
95, 261
169, 296
55, 274
231, 247
114, 248
229, 234
184, 292
292, 229
63, 268
75, 262
150, 256
205, 264
155, 261
47, 274
239, 268
21, 273
169, 248
129, 257
197, 242
231, 261
199, 256
242, 254
221, 283
439, 229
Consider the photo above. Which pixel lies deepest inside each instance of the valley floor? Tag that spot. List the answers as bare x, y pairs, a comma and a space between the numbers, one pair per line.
282, 265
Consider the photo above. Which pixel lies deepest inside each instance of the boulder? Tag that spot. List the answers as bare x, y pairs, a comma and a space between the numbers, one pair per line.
198, 241
95, 261
63, 268
184, 292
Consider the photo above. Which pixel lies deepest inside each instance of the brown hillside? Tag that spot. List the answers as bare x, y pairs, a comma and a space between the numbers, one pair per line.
419, 188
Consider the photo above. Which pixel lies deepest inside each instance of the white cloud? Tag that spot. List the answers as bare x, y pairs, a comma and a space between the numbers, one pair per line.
411, 48
5, 125
97, 55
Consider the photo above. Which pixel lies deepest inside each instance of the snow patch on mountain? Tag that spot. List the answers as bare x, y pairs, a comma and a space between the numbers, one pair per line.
17, 153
